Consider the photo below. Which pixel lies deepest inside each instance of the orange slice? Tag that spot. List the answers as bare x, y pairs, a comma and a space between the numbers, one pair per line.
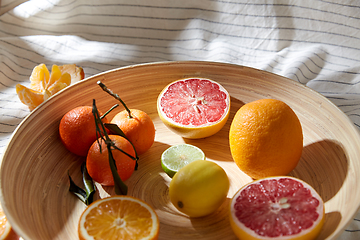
6, 231
43, 84
119, 217
283, 208
194, 108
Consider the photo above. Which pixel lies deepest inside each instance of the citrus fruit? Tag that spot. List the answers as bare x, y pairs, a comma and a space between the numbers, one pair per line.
77, 73
97, 161
6, 231
43, 84
277, 208
176, 157
139, 128
77, 130
119, 217
194, 107
199, 188
266, 138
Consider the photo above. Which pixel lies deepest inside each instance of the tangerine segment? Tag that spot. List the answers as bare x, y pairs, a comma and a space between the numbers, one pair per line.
277, 208
194, 107
43, 84
119, 217
29, 97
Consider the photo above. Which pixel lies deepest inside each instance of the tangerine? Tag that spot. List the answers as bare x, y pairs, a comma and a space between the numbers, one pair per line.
119, 217
43, 84
77, 130
277, 208
97, 161
194, 108
139, 128
266, 138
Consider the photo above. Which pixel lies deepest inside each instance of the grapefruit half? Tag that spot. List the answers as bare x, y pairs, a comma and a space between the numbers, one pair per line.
194, 107
277, 208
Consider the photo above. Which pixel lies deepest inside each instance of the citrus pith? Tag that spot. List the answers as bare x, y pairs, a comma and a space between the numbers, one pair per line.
194, 108
266, 138
283, 208
119, 217
44, 84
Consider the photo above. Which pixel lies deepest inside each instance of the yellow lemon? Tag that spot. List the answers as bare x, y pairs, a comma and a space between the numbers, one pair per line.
199, 188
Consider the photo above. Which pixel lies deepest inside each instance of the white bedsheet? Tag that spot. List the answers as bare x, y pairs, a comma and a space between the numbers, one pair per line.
314, 42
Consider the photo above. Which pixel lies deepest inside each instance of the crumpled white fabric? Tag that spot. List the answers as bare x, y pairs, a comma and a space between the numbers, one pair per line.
316, 43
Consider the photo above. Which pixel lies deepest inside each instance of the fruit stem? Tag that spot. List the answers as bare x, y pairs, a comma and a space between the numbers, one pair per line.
112, 108
115, 96
120, 186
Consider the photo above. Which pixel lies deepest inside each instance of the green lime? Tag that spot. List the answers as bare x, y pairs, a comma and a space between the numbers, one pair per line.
177, 156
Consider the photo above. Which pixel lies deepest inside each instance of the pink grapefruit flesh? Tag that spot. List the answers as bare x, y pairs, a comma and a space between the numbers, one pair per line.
191, 107
277, 208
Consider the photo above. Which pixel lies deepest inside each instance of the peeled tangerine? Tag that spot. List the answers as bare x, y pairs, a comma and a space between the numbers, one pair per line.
43, 84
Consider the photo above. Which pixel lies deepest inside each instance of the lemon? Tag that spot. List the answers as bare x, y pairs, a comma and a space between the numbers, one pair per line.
177, 156
199, 188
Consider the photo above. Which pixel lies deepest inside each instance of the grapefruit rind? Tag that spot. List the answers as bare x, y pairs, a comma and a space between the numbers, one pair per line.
242, 232
190, 131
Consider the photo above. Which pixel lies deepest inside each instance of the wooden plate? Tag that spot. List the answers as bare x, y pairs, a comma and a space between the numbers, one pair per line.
35, 165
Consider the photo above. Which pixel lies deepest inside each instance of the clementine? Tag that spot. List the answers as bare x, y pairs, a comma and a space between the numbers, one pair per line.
77, 130
97, 161
266, 138
43, 84
139, 128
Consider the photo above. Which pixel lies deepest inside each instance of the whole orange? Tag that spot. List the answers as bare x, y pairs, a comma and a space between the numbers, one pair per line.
139, 128
97, 162
266, 138
77, 130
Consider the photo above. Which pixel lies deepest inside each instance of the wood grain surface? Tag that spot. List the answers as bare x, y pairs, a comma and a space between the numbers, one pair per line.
34, 171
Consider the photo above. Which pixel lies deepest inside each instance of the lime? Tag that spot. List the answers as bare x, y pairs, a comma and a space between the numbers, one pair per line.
177, 156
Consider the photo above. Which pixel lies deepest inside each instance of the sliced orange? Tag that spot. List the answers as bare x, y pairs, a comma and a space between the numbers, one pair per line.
283, 208
43, 84
6, 231
119, 217
194, 108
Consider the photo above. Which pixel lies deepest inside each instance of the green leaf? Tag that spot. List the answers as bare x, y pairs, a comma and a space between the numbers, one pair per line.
116, 130
86, 196
89, 185
119, 185
79, 192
